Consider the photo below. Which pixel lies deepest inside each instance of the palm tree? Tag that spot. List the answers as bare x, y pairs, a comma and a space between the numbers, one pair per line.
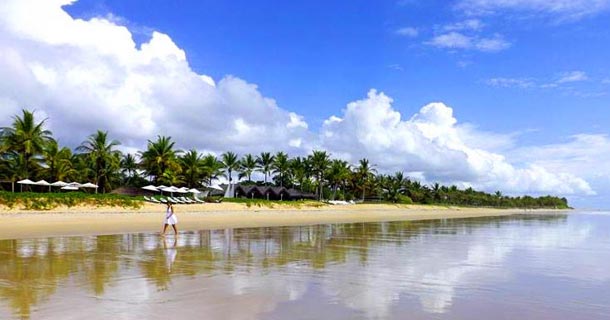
265, 163
191, 168
58, 162
319, 163
338, 173
103, 158
211, 168
280, 166
159, 157
247, 165
299, 170
27, 139
364, 174
129, 167
230, 162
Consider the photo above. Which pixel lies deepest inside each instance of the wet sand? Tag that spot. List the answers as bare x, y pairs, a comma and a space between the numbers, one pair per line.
17, 224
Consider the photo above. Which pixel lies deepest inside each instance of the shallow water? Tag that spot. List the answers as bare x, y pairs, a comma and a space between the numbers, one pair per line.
535, 267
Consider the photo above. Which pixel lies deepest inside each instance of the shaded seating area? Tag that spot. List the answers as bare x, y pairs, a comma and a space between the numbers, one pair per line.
270, 193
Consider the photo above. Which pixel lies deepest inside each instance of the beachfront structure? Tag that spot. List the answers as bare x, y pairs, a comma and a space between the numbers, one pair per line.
270, 193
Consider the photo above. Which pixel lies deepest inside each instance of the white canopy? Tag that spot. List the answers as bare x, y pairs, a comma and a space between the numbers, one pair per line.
183, 190
26, 181
195, 191
162, 187
217, 187
88, 185
59, 184
69, 187
150, 187
42, 183
170, 189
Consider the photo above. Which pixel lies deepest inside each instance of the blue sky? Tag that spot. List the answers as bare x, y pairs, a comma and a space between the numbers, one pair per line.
509, 95
314, 56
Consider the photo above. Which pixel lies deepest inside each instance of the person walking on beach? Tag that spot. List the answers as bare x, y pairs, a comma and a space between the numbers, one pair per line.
170, 218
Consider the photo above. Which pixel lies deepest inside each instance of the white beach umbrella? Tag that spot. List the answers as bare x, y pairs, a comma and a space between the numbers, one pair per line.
59, 184
25, 181
90, 185
150, 187
69, 187
194, 191
43, 183
216, 187
171, 190
162, 187
183, 190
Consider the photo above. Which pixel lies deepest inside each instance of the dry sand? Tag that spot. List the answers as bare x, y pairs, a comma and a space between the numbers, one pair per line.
108, 220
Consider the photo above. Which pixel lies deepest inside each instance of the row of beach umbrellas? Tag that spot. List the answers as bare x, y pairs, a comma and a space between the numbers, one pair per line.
172, 189
70, 186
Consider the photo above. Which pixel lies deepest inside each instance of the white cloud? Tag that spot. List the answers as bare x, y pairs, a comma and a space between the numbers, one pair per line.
510, 82
89, 74
573, 76
561, 9
456, 40
433, 143
469, 24
408, 32
452, 40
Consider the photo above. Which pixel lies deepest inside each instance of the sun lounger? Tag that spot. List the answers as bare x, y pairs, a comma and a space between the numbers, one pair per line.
185, 200
197, 200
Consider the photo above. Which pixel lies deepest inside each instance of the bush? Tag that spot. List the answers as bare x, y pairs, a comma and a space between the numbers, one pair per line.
402, 199
48, 201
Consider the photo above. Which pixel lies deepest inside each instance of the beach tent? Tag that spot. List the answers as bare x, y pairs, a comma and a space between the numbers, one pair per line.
25, 181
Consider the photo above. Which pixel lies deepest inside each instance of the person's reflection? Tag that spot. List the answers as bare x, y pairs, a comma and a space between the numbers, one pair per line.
170, 253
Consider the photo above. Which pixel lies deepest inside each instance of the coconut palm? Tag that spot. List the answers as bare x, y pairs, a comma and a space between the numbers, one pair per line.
211, 169
364, 175
159, 157
129, 167
191, 166
58, 162
320, 161
280, 166
26, 138
230, 163
265, 163
247, 165
338, 173
299, 169
103, 158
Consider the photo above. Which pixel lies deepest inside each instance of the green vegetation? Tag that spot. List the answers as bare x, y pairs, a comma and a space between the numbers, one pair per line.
274, 204
28, 150
48, 201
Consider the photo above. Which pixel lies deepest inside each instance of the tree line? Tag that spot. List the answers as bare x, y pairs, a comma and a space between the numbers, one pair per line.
28, 150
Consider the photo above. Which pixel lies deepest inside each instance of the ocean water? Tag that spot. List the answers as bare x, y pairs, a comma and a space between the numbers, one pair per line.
552, 266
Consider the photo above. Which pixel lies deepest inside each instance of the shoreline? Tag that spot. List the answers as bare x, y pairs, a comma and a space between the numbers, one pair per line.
82, 220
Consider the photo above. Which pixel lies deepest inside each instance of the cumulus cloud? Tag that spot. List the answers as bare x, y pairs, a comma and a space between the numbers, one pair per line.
573, 76
469, 24
510, 82
561, 9
408, 32
89, 74
457, 40
432, 143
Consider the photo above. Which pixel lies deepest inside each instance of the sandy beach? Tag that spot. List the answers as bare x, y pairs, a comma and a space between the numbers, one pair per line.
19, 224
